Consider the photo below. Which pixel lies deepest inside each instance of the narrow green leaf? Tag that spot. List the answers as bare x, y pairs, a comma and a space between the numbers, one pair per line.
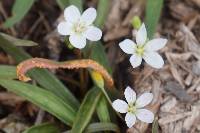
42, 98
98, 127
102, 12
86, 110
19, 10
62, 3
155, 126
152, 22
98, 54
77, 3
43, 128
18, 42
7, 72
46, 79
102, 110
97, 49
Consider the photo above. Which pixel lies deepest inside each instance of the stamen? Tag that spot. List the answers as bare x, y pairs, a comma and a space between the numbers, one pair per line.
79, 27
131, 109
140, 50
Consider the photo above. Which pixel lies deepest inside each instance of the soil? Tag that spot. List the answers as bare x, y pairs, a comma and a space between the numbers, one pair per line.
176, 87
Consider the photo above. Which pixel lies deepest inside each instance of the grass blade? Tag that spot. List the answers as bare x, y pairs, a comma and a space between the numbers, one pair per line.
18, 42
155, 126
102, 12
43, 128
98, 54
62, 3
77, 3
152, 22
86, 110
46, 79
19, 10
102, 110
42, 98
98, 127
7, 72
98, 51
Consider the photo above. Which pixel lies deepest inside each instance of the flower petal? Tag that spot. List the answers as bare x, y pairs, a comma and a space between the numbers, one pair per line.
130, 95
120, 106
128, 46
155, 44
141, 35
72, 13
144, 100
135, 60
153, 59
145, 115
64, 28
89, 16
77, 41
93, 33
130, 119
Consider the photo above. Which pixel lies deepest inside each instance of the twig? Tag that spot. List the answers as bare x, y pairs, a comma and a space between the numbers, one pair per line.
40, 117
34, 26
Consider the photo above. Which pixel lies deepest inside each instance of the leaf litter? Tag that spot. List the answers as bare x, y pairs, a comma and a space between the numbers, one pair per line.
174, 86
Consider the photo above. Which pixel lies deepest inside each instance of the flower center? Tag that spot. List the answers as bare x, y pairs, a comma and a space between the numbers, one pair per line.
132, 109
140, 50
79, 27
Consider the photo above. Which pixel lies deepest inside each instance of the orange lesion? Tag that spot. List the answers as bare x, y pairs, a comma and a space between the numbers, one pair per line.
26, 65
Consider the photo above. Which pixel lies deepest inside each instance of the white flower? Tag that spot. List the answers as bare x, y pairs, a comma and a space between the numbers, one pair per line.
79, 27
144, 49
134, 107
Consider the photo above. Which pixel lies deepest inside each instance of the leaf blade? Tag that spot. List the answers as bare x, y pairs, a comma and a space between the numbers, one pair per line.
77, 3
43, 128
46, 79
19, 10
42, 98
155, 126
62, 3
150, 11
102, 110
98, 127
18, 42
7, 72
98, 54
102, 10
86, 110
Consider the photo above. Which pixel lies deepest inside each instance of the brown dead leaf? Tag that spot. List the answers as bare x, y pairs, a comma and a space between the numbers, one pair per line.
174, 70
182, 12
173, 118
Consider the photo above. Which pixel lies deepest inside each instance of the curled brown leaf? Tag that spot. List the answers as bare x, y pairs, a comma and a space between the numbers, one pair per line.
26, 65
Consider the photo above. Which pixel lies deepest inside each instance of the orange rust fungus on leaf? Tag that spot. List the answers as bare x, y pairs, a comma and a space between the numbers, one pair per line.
26, 65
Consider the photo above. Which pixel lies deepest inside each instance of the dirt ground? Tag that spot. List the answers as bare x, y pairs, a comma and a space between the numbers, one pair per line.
176, 87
